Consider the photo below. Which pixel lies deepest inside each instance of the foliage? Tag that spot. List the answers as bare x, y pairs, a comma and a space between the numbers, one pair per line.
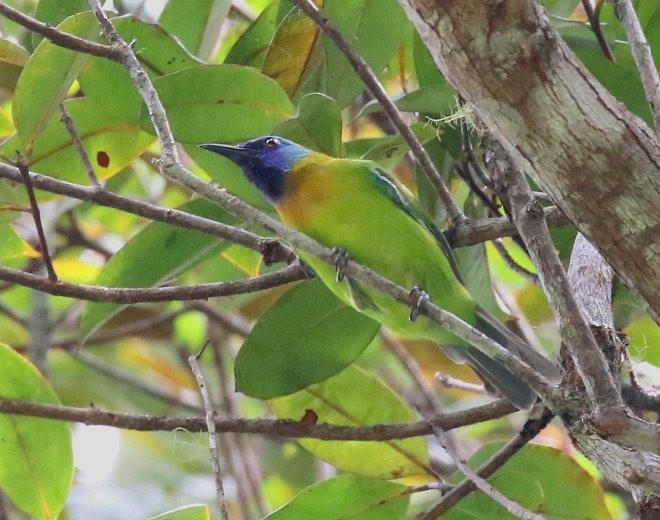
294, 352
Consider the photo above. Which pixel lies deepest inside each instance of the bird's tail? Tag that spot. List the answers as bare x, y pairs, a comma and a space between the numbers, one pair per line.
494, 329
509, 385
494, 373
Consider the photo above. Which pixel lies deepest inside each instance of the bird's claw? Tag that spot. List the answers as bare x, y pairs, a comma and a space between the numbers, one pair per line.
421, 297
340, 260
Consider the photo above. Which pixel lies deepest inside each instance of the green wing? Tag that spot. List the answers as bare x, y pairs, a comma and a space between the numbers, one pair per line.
393, 192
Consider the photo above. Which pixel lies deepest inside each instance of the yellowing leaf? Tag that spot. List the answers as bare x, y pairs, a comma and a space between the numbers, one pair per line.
74, 270
542, 480
289, 57
355, 398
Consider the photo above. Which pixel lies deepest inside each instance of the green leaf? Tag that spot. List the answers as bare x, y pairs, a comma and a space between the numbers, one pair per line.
220, 103
46, 78
36, 468
433, 99
425, 68
53, 12
196, 25
191, 512
157, 253
347, 497
542, 480
326, 337
108, 84
375, 29
355, 398
289, 59
14, 250
12, 60
317, 125
109, 145
652, 31
250, 48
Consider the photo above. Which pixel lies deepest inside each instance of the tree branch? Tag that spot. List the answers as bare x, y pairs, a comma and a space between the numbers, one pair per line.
477, 231
60, 38
129, 295
36, 216
273, 427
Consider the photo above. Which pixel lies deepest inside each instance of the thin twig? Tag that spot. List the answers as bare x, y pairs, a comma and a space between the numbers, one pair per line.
451, 382
513, 265
129, 295
641, 51
36, 216
482, 230
251, 475
274, 427
60, 38
141, 81
594, 22
469, 151
78, 145
370, 79
213, 437
464, 171
530, 430
480, 483
40, 329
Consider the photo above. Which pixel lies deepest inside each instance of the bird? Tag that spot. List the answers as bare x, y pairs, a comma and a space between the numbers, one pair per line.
354, 207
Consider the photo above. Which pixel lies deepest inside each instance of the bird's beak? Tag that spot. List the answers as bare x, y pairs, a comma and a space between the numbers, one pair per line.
234, 153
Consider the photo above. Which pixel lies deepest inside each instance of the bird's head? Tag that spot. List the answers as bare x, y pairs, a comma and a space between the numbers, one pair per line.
266, 161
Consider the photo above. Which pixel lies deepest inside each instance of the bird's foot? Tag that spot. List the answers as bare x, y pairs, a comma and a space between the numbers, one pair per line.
421, 297
340, 260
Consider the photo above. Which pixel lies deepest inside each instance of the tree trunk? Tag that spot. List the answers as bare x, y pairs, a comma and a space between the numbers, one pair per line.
598, 162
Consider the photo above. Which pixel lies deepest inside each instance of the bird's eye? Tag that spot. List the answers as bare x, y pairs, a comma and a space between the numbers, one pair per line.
271, 142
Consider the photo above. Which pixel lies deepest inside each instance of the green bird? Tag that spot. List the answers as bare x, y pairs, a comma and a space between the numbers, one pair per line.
355, 207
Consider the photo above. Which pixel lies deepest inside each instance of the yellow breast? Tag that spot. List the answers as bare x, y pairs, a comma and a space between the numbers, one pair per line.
307, 187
